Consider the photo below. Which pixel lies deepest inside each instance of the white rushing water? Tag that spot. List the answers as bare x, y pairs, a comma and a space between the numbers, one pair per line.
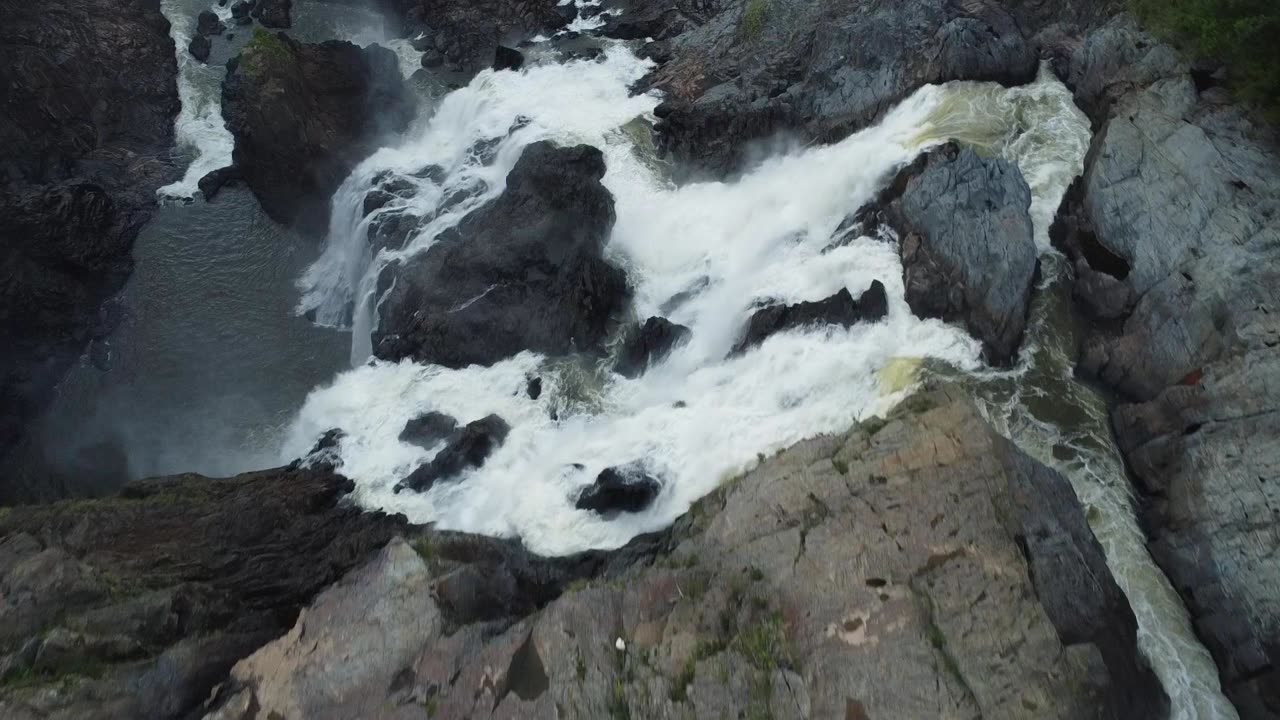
700, 417
200, 131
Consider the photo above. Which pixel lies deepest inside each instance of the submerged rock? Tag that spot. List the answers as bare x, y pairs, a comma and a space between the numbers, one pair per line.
428, 429
839, 309
525, 272
86, 124
303, 115
644, 345
626, 489
465, 449
919, 567
968, 245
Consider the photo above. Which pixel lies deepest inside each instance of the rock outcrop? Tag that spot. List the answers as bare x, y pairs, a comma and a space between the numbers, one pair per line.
136, 606
628, 489
525, 272
648, 343
303, 115
85, 148
917, 567
839, 309
462, 36
1180, 204
968, 246
744, 70
465, 449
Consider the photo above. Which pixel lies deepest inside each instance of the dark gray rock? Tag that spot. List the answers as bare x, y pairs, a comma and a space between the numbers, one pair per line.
505, 58
968, 248
462, 36
213, 182
207, 24
645, 344
428, 429
274, 13
746, 70
199, 47
525, 272
465, 449
86, 144
626, 489
304, 115
241, 10
839, 309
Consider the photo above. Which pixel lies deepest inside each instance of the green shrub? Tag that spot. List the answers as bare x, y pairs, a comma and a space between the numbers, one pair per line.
1240, 33
753, 18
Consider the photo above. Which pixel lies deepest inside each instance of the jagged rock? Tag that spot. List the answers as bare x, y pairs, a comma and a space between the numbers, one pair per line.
627, 489
461, 36
920, 567
968, 246
745, 71
303, 115
428, 429
525, 272
505, 58
644, 345
465, 449
86, 145
1182, 190
274, 13
839, 309
207, 24
199, 47
136, 606
213, 181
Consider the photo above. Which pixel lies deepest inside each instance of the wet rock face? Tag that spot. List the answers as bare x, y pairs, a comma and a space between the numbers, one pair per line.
85, 148
303, 115
1183, 191
743, 71
428, 429
274, 13
919, 567
461, 36
646, 344
465, 449
525, 272
162, 589
839, 309
968, 248
626, 489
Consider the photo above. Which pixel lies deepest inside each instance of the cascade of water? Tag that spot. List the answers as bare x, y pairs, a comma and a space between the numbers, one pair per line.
721, 246
199, 129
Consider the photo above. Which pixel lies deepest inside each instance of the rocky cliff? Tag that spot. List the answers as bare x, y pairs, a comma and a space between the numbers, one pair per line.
86, 145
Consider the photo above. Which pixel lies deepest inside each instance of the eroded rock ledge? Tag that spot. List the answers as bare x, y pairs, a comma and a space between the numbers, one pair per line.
915, 567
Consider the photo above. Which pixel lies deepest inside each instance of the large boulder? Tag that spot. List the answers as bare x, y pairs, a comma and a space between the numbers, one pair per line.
462, 36
303, 115
626, 489
922, 567
968, 246
1179, 209
648, 343
465, 449
525, 272
137, 605
85, 148
274, 13
745, 70
839, 309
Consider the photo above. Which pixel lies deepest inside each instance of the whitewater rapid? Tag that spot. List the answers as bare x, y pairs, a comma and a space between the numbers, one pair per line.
200, 132
699, 417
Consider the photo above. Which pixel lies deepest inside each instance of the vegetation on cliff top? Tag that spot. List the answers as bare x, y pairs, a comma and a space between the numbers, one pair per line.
1241, 33
264, 48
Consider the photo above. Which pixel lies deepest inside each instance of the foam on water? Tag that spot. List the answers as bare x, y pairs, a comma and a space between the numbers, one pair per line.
700, 417
200, 131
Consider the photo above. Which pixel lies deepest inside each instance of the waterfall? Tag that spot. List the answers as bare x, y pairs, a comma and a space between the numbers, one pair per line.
199, 129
